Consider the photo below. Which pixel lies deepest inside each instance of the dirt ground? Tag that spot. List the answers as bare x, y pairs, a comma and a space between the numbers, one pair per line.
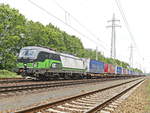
138, 102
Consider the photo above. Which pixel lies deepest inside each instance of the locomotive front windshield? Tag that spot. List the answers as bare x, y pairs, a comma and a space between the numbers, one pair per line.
28, 53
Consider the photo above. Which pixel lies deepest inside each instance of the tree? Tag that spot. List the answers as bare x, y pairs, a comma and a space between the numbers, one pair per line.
35, 34
11, 26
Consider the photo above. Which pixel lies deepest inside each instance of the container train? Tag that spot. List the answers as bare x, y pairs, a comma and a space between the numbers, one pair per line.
45, 63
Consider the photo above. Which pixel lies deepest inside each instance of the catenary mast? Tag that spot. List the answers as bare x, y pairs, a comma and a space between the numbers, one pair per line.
113, 36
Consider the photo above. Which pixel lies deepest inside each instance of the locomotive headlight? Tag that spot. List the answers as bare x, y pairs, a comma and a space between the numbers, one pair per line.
54, 65
35, 64
25, 66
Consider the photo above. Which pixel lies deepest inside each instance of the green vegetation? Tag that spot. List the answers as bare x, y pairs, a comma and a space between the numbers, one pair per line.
8, 74
16, 32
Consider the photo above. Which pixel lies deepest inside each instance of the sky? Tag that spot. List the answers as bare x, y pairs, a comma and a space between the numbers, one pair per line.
93, 15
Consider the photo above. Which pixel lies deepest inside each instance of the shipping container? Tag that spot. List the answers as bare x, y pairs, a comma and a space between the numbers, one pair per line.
119, 70
109, 68
133, 73
124, 71
106, 68
129, 72
112, 69
116, 70
95, 66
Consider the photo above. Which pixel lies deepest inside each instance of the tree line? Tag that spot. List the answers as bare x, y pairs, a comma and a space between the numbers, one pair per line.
17, 32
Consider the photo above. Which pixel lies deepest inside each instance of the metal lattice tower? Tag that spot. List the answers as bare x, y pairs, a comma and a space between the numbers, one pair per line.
113, 36
131, 55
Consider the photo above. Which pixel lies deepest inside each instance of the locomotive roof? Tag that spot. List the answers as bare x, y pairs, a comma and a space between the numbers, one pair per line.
50, 51
39, 49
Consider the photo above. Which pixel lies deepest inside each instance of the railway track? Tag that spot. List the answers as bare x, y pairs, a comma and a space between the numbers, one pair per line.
39, 85
85, 103
19, 80
12, 80
11, 89
32, 85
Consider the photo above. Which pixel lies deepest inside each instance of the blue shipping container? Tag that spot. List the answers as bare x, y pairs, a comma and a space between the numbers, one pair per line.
119, 70
128, 72
96, 66
132, 73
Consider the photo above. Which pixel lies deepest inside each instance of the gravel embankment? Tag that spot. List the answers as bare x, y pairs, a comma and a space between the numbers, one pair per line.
138, 101
95, 99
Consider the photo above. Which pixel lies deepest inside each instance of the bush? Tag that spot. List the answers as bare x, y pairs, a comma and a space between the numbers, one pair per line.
8, 74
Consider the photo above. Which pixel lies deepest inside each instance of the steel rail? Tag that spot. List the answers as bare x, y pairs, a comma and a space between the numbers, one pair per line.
104, 104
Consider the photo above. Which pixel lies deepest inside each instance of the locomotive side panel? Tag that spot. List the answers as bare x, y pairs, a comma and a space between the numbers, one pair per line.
72, 64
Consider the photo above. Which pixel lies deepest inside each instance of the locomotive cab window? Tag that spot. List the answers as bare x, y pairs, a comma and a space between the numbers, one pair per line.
54, 56
42, 56
28, 53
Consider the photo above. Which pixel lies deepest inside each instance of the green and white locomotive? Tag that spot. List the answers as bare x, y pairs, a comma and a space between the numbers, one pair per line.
45, 63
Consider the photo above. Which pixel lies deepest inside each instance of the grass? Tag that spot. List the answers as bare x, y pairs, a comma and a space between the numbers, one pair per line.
8, 74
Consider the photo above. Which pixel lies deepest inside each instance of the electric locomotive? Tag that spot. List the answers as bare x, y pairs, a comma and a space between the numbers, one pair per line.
45, 63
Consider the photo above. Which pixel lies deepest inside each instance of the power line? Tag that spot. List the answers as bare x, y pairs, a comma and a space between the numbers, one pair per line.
127, 26
126, 23
89, 31
64, 23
